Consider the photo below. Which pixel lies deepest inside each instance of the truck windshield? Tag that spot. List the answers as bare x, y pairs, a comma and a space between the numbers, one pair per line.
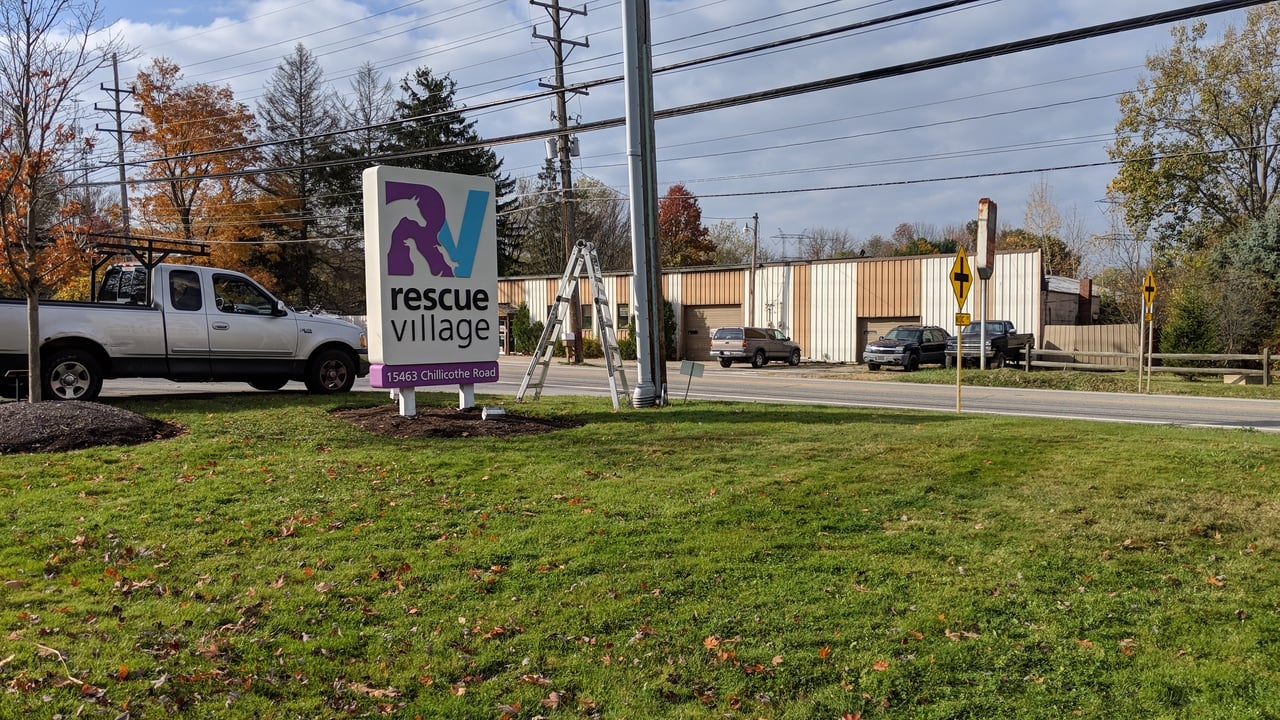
992, 328
903, 335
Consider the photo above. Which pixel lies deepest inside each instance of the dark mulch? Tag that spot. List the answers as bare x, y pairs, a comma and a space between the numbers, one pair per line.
443, 422
55, 426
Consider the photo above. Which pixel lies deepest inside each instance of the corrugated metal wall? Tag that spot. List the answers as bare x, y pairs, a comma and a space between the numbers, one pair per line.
833, 311
1013, 292
889, 287
822, 304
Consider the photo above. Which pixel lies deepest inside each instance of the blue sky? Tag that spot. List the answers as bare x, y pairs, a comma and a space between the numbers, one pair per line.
848, 159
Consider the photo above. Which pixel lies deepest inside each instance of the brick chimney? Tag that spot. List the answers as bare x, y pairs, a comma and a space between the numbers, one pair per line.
1084, 313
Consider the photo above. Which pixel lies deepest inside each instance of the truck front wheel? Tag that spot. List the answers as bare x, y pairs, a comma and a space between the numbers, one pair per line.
330, 371
71, 375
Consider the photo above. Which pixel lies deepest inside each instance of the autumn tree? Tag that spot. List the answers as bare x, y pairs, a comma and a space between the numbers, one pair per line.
1197, 137
682, 239
433, 134
1044, 228
876, 246
733, 244
46, 54
192, 137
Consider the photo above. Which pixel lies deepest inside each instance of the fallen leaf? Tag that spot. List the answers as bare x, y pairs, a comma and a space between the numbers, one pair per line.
880, 665
824, 652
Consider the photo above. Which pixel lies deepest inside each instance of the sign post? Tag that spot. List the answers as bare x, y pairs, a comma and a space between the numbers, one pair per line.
1148, 303
961, 283
431, 278
985, 261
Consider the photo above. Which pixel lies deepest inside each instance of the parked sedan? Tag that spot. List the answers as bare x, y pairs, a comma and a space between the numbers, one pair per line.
907, 346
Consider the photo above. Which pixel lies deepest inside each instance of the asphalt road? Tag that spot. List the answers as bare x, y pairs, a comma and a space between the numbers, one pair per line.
805, 385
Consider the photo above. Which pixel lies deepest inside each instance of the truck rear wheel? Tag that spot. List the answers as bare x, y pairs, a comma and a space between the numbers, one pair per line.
270, 385
330, 371
758, 360
725, 362
71, 375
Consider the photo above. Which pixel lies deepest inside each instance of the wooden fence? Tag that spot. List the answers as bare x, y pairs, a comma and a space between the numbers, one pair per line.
1109, 345
1204, 364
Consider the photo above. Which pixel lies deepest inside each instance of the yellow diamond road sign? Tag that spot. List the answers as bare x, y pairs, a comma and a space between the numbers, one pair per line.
961, 278
1149, 289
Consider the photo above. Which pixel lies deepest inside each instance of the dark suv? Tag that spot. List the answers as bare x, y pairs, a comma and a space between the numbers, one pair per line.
755, 345
908, 346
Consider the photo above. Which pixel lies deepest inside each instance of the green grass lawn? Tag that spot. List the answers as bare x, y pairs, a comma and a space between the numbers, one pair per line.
703, 560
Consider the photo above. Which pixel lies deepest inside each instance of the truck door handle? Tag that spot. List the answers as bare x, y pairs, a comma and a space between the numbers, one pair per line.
221, 326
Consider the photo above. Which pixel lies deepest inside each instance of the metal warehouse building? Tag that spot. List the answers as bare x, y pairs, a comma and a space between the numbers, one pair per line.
830, 307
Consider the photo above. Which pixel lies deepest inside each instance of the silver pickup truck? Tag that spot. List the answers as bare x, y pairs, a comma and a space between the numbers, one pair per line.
182, 323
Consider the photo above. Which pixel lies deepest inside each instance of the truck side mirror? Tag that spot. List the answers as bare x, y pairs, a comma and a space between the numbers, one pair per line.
279, 310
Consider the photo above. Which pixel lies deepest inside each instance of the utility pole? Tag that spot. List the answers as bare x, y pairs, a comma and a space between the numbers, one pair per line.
119, 111
754, 229
564, 142
642, 171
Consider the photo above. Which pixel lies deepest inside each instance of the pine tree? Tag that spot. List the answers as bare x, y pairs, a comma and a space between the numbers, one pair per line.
299, 114
431, 122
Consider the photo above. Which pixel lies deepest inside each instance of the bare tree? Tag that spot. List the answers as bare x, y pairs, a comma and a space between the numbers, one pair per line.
821, 242
604, 219
49, 48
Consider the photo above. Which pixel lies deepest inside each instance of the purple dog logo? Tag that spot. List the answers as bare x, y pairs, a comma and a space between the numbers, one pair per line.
418, 214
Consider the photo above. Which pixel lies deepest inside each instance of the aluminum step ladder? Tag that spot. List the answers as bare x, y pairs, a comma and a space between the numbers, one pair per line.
584, 254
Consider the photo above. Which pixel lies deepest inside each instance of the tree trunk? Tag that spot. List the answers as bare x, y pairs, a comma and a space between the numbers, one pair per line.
33, 347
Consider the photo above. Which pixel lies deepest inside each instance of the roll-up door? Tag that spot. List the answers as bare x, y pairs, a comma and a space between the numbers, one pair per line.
872, 328
699, 321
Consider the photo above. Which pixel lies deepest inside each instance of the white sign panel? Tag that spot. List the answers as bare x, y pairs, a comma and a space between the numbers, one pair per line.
431, 271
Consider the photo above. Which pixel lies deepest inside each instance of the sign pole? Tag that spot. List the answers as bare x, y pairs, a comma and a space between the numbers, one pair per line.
1148, 304
1142, 332
961, 283
1151, 343
959, 361
985, 264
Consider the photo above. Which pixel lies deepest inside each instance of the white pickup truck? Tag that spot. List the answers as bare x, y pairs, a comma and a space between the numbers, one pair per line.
199, 324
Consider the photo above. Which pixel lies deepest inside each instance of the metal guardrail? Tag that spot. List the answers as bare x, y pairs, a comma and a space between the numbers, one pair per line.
1264, 358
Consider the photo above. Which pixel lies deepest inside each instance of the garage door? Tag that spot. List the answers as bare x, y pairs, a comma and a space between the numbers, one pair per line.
699, 321
872, 328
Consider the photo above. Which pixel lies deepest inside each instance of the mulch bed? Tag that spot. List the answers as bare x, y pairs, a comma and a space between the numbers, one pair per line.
442, 422
58, 426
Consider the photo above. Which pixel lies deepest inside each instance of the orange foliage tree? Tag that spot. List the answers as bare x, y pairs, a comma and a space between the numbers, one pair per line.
682, 239
45, 56
193, 137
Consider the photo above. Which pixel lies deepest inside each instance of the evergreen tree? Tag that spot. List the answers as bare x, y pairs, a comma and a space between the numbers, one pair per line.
431, 125
299, 113
1190, 327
